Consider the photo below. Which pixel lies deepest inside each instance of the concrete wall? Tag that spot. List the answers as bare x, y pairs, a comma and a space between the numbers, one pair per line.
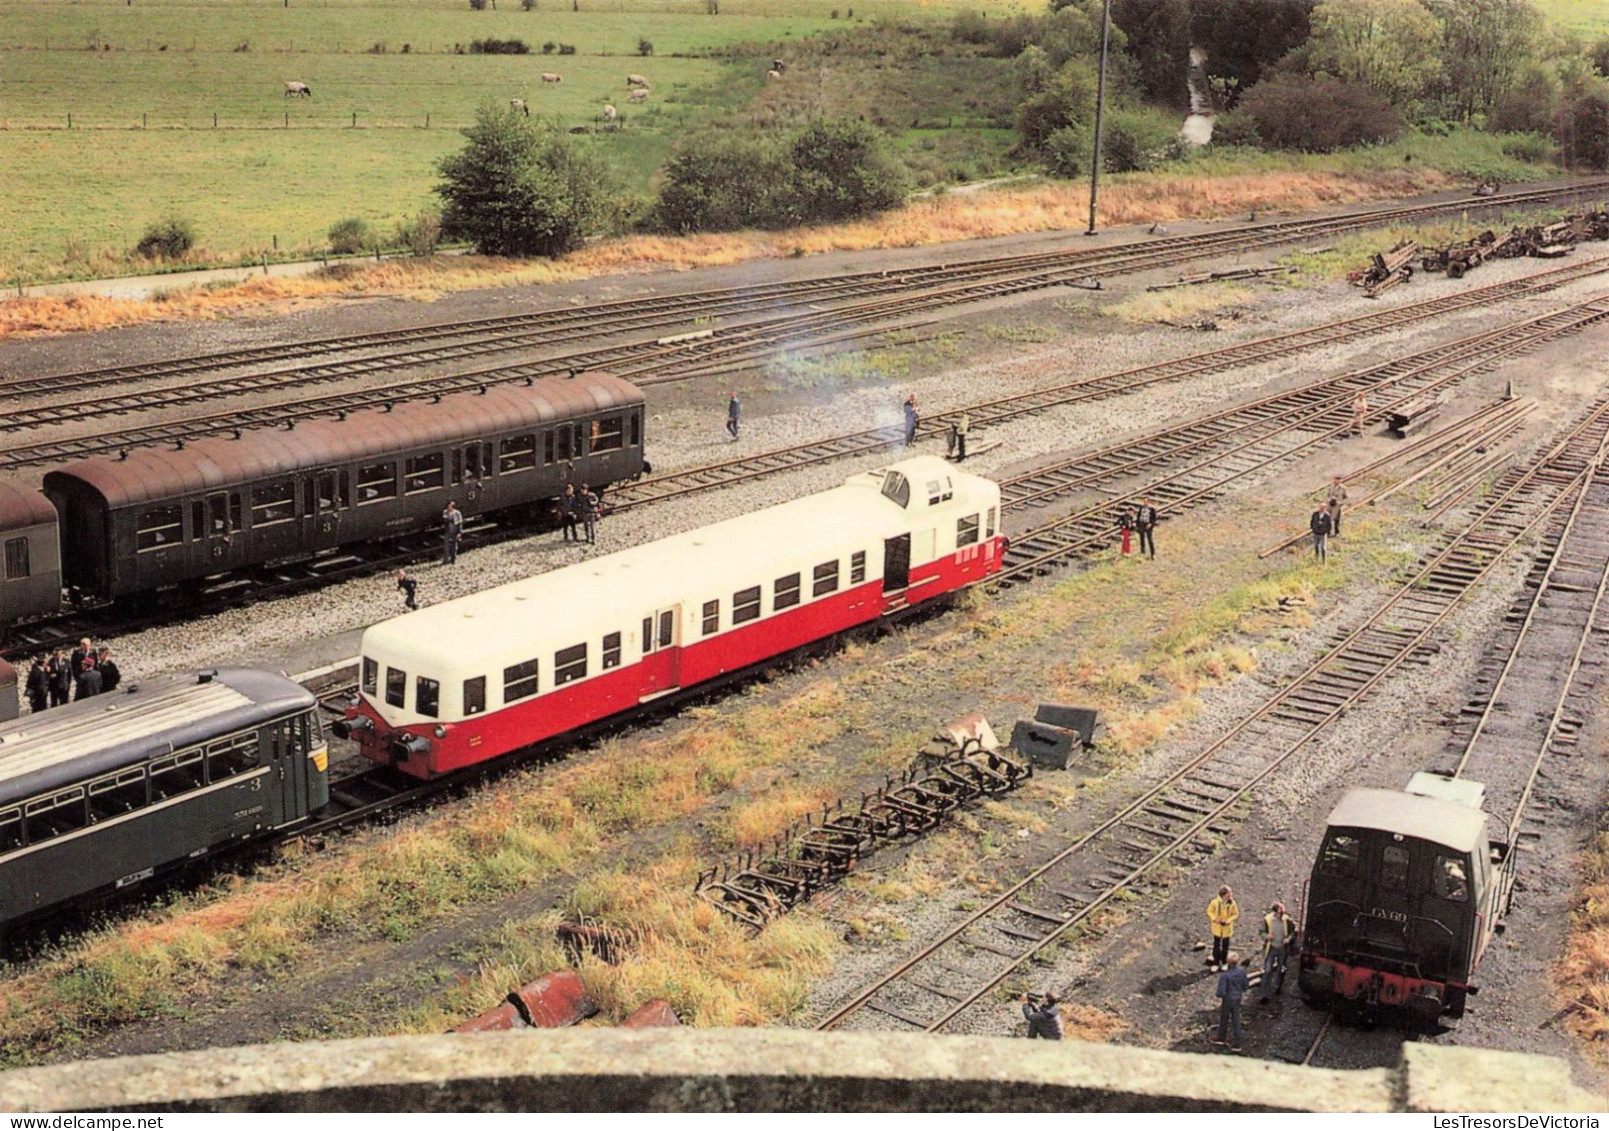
775, 1069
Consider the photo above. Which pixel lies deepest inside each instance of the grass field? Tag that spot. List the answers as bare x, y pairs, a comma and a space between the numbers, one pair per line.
1590, 17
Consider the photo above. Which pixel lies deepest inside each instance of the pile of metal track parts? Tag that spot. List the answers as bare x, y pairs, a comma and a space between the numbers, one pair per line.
1458, 259
1386, 269
962, 764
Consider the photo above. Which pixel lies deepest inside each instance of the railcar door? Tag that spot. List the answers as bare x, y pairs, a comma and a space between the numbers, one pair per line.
661, 652
290, 760
326, 511
897, 563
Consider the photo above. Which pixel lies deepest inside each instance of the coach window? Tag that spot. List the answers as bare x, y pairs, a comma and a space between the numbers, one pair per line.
563, 432
608, 434
1394, 867
1340, 855
47, 817
611, 651
857, 567
377, 481
517, 453
424, 473
198, 521
988, 529
158, 529
519, 681
966, 531
785, 593
176, 774
745, 605
1452, 879
712, 617
547, 448
273, 503
825, 579
427, 697
117, 794
230, 756
475, 695
371, 675
636, 430
17, 565
396, 686
569, 664
10, 830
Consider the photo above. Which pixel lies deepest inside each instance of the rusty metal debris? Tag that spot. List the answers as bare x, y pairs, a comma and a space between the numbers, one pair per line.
959, 765
551, 1002
1386, 269
1222, 276
1538, 241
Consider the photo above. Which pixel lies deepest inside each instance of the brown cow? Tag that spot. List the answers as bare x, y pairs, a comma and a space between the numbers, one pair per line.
549, 76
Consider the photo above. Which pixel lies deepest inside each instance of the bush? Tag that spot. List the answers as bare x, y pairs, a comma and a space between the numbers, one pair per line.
1235, 128
1319, 114
167, 239
1534, 149
520, 187
1067, 152
528, 5
549, 47
645, 47
1583, 127
478, 5
1066, 100
566, 49
840, 171
349, 236
499, 47
421, 234
1137, 140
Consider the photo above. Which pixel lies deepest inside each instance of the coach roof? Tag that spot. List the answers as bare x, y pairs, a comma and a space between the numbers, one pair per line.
219, 463
22, 506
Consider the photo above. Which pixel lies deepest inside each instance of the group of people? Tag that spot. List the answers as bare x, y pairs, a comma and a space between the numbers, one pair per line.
86, 671
1139, 520
1280, 940
1325, 521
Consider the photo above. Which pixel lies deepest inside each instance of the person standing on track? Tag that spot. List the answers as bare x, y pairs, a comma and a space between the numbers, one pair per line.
569, 512
911, 420
1231, 989
1337, 505
38, 686
61, 679
590, 506
734, 415
1360, 410
1319, 523
1279, 935
452, 532
1125, 523
80, 653
89, 680
1145, 520
111, 675
1221, 915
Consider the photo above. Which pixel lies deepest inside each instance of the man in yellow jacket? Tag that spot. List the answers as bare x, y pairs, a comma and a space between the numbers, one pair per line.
1221, 915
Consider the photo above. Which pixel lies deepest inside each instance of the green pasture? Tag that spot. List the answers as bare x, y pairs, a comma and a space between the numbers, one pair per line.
1589, 17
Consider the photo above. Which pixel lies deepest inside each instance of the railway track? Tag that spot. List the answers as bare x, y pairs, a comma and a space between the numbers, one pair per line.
935, 986
658, 360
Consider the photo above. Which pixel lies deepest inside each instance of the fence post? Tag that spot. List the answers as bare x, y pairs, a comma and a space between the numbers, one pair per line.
427, 119
276, 242
354, 119
69, 119
287, 119
215, 119
145, 121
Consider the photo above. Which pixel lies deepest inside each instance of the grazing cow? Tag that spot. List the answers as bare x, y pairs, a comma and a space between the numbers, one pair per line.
298, 89
519, 107
637, 96
637, 80
778, 66
549, 76
773, 76
610, 114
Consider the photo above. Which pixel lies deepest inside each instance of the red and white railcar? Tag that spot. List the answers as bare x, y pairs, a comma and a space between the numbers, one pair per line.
474, 678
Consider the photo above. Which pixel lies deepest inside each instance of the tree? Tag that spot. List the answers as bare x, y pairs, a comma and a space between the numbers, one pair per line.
721, 181
519, 187
1066, 100
839, 172
1391, 46
1583, 124
1486, 44
1600, 58
1158, 37
1530, 104
1318, 114
1244, 38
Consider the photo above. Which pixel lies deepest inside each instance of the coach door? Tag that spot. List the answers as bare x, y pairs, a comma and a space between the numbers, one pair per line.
325, 509
897, 563
661, 656
291, 768
222, 523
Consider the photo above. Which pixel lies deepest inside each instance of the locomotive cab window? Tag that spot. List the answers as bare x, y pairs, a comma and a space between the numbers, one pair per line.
611, 651
1341, 853
377, 481
897, 488
230, 756
425, 473
517, 453
117, 794
1452, 879
158, 529
1394, 867
569, 664
966, 531
475, 695
825, 579
273, 503
785, 593
17, 565
427, 697
396, 686
371, 675
519, 681
608, 434
746, 605
939, 491
712, 617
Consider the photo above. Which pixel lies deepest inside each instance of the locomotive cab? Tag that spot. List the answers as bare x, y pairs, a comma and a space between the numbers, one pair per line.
1404, 897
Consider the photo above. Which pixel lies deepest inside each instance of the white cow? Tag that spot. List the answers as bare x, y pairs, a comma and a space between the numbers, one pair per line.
610, 114
550, 77
637, 96
519, 107
298, 90
773, 76
637, 80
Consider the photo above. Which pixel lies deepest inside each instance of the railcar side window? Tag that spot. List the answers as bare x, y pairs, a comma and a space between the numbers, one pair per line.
158, 529
371, 675
966, 531
425, 473
517, 453
427, 697
569, 664
1394, 867
396, 686
1451, 879
547, 448
857, 567
745, 605
826, 579
988, 530
608, 434
377, 481
636, 430
198, 521
117, 794
611, 651
60, 813
712, 617
230, 756
176, 774
273, 503
1341, 854
563, 431
897, 488
475, 695
10, 830
785, 593
17, 559
519, 681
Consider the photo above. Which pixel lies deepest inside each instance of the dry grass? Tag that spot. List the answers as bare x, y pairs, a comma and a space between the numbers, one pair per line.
1092, 1023
1581, 977
1179, 304
1138, 198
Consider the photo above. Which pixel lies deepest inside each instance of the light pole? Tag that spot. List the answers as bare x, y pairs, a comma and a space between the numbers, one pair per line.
1100, 108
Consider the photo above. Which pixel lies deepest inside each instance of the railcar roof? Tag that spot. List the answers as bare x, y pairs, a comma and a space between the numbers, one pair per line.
570, 604
150, 474
23, 506
1433, 819
95, 736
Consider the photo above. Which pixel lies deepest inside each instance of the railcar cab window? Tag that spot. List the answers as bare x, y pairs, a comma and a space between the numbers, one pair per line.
712, 617
897, 488
857, 567
517, 453
785, 593
425, 473
17, 559
825, 579
1452, 879
569, 664
475, 695
1341, 854
427, 697
396, 686
377, 481
746, 605
273, 503
939, 491
519, 681
611, 651
1394, 867
608, 434
371, 675
966, 531
158, 529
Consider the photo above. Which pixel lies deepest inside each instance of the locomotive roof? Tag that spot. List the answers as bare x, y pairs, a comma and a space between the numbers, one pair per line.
217, 463
22, 506
81, 740
1434, 819
574, 603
